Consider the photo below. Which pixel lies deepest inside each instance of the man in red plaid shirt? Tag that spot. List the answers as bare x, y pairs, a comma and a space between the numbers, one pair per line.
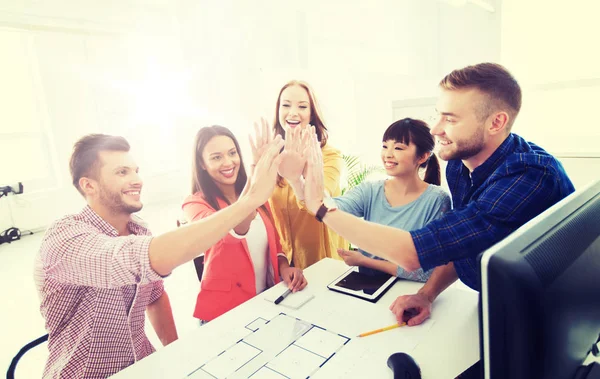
98, 271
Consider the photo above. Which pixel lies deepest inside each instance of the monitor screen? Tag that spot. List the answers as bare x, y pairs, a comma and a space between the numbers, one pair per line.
540, 293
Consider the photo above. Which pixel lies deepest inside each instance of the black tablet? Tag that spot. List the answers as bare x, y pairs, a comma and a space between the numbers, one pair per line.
369, 285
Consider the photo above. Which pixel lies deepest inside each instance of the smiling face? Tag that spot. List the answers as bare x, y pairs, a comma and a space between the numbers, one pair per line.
294, 107
221, 160
460, 130
399, 159
118, 186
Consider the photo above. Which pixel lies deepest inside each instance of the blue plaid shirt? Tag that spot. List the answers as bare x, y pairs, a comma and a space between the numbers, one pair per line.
516, 183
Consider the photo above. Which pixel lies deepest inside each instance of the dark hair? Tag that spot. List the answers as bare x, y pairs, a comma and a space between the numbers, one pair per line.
201, 180
84, 159
409, 130
494, 80
316, 117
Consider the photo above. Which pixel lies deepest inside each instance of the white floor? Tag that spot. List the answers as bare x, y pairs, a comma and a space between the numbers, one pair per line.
20, 319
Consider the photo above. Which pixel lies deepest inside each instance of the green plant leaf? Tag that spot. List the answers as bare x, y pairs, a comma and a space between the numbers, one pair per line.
351, 162
357, 172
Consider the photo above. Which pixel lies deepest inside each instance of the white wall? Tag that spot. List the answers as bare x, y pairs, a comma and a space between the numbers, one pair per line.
550, 47
358, 58
155, 71
581, 170
100, 66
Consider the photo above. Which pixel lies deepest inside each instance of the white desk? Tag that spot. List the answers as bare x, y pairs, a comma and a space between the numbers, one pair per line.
449, 347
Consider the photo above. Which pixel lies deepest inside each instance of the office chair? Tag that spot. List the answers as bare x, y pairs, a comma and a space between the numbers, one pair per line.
10, 235
10, 373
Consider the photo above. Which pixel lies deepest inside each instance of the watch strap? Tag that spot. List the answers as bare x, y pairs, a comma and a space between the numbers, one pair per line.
321, 212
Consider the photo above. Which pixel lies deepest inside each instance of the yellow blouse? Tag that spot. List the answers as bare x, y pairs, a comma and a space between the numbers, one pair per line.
305, 240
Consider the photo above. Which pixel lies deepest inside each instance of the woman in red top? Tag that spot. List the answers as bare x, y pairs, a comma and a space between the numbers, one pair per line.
249, 259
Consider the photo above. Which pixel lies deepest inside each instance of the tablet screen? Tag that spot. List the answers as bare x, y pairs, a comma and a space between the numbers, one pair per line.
369, 285
357, 281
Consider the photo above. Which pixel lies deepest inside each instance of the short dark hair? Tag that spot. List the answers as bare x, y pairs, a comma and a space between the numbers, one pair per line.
410, 130
84, 159
494, 80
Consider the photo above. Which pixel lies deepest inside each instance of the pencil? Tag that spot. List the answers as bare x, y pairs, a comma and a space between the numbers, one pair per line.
381, 330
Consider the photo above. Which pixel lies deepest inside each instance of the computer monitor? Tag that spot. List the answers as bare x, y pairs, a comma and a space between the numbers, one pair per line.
540, 293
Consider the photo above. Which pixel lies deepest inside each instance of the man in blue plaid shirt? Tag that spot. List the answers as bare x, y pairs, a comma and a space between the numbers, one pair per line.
498, 182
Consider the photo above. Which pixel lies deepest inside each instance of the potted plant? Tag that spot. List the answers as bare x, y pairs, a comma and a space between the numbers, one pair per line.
357, 172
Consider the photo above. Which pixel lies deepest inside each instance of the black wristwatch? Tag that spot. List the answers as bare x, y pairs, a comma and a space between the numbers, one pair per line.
328, 205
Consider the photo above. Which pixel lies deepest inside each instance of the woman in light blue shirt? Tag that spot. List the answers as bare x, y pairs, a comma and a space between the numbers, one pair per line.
404, 200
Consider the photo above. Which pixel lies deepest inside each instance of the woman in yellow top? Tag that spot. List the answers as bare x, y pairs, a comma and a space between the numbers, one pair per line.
304, 240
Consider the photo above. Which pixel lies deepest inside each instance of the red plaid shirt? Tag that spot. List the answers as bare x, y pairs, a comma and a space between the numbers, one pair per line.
94, 286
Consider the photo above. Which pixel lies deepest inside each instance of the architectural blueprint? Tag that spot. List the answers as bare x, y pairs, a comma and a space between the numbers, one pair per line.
283, 347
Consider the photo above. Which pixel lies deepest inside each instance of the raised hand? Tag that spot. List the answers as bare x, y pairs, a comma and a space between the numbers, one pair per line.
261, 183
263, 137
293, 161
313, 182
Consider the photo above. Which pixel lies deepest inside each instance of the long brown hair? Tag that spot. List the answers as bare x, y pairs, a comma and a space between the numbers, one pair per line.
201, 181
316, 117
409, 130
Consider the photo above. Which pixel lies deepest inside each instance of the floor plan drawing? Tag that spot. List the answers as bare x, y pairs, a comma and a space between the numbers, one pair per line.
283, 347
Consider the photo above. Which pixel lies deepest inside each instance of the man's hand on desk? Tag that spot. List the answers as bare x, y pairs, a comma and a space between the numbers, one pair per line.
412, 309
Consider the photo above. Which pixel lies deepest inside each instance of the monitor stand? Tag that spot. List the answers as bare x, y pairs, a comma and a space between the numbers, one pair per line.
591, 371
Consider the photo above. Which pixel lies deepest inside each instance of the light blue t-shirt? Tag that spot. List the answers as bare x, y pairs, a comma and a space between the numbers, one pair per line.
368, 200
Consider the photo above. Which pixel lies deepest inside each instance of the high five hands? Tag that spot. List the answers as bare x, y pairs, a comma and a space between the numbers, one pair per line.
300, 160
314, 187
293, 162
302, 153
266, 159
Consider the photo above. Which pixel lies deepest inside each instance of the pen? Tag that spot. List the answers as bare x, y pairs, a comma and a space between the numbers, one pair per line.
280, 298
381, 330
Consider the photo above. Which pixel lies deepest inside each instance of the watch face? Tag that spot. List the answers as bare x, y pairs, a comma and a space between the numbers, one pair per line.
329, 203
